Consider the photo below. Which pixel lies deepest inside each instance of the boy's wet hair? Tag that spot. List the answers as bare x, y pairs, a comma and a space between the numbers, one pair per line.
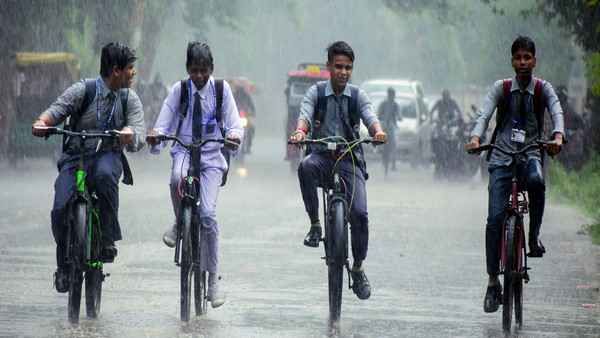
339, 48
198, 53
523, 42
115, 54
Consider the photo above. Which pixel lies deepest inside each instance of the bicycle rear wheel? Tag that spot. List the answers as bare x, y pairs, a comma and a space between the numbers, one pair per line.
509, 273
93, 291
77, 258
186, 262
337, 251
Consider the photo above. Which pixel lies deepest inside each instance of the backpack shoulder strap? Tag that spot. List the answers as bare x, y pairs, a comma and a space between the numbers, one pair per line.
353, 107
501, 111
321, 107
124, 94
88, 97
538, 104
183, 104
219, 108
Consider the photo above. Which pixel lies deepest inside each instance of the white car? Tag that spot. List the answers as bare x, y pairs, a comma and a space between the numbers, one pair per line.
413, 135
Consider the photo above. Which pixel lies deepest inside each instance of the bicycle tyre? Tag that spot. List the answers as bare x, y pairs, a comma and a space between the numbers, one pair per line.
518, 282
77, 252
93, 291
337, 244
200, 290
518, 296
509, 269
186, 262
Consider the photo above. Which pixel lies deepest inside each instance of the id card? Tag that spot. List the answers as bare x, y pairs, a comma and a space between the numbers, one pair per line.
517, 135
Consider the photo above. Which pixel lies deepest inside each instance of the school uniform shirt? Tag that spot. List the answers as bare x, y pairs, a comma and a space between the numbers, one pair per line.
169, 116
503, 138
104, 112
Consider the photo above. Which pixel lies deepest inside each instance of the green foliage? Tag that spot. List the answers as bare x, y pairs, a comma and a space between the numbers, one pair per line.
581, 189
199, 15
593, 71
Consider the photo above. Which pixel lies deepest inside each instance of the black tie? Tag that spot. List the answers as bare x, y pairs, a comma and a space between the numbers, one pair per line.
197, 119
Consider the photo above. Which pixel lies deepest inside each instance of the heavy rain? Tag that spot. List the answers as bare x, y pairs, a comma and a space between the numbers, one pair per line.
427, 77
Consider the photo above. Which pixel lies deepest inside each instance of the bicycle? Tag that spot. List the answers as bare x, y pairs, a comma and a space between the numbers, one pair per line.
513, 255
189, 236
84, 233
336, 213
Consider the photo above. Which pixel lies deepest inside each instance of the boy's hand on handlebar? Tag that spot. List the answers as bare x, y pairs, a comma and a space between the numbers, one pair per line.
152, 137
297, 136
39, 128
232, 142
473, 144
380, 137
554, 147
126, 136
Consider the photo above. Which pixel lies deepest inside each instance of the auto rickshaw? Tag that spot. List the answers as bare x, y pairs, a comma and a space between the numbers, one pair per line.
299, 81
41, 78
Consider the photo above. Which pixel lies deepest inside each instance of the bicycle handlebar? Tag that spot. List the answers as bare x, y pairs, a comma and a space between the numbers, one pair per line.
83, 134
537, 144
189, 146
331, 143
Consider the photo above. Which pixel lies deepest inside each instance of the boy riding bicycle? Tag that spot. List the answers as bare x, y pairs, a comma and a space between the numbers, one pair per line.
335, 108
520, 102
200, 121
100, 104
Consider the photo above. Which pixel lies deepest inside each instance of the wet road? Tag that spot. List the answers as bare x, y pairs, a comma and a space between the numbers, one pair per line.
425, 262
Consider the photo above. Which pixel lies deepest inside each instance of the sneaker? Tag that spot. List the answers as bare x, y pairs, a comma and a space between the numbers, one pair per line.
215, 296
360, 284
170, 236
536, 249
109, 252
493, 298
61, 280
313, 237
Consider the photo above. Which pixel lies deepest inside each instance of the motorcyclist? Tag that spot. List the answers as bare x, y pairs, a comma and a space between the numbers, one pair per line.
389, 113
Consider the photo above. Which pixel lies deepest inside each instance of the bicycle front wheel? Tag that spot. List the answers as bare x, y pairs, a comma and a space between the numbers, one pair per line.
77, 259
186, 262
509, 273
93, 291
200, 289
337, 251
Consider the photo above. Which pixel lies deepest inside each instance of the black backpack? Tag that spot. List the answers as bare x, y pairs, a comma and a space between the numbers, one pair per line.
183, 108
72, 121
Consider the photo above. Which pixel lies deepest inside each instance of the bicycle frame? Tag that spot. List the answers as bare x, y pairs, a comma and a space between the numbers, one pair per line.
518, 207
190, 197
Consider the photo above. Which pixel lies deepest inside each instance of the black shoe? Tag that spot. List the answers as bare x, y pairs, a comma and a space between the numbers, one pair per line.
360, 284
493, 298
536, 249
313, 237
109, 252
61, 280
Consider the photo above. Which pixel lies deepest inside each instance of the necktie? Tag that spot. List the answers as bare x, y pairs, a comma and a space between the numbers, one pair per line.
197, 119
109, 111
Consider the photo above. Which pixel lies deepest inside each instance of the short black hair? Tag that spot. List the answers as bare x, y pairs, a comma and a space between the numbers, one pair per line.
339, 48
115, 54
199, 53
523, 42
